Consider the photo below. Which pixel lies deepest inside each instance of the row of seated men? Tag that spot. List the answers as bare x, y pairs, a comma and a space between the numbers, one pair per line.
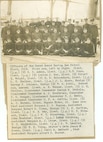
50, 38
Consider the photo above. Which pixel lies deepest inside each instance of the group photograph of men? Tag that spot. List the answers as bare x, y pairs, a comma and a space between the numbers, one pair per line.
66, 35
46, 37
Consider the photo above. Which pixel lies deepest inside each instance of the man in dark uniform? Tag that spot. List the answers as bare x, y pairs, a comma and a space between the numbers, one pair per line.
65, 50
86, 25
18, 39
37, 42
58, 45
13, 28
48, 46
42, 26
57, 22
54, 35
26, 27
86, 34
27, 41
87, 44
70, 27
76, 47
94, 32
53, 26
48, 24
19, 26
8, 46
27, 33
76, 43
48, 21
80, 30
45, 35
6, 30
7, 34
32, 25
18, 31
88, 48
65, 34
75, 34
19, 46
29, 46
62, 27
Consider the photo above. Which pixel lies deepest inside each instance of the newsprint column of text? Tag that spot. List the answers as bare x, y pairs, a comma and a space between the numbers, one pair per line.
50, 100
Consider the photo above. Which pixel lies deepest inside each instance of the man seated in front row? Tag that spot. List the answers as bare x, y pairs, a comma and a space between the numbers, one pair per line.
87, 45
8, 46
48, 46
19, 46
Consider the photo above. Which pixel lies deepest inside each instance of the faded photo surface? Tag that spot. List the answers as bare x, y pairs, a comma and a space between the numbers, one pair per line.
51, 27
48, 50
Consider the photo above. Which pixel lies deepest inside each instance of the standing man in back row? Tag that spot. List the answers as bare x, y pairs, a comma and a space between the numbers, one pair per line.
70, 27
6, 31
86, 25
78, 26
94, 32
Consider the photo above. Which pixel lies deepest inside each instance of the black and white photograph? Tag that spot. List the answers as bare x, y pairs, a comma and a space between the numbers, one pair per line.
49, 87
51, 28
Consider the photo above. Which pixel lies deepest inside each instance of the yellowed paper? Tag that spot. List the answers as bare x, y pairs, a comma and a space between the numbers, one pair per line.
50, 100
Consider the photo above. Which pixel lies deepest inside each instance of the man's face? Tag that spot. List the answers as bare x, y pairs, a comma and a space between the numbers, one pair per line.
66, 40
75, 30
84, 30
77, 39
55, 30
46, 31
8, 32
29, 39
27, 31
49, 39
65, 30
36, 30
19, 39
53, 23
59, 39
8, 40
18, 31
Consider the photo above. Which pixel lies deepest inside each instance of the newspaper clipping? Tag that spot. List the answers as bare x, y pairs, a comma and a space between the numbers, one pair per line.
50, 100
49, 49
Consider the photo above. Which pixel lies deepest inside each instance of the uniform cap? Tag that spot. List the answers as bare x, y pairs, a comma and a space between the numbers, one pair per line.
6, 22
76, 21
85, 19
13, 20
92, 20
